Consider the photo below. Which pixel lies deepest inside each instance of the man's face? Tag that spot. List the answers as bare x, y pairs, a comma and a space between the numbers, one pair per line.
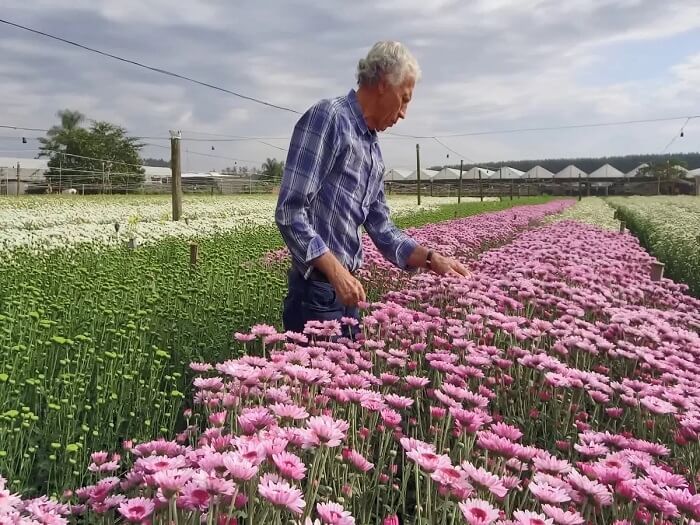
393, 102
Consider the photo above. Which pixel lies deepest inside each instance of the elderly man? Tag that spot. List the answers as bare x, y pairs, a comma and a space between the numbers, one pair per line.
333, 184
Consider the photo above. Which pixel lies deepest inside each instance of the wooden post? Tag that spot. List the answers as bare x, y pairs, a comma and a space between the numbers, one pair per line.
18, 177
657, 271
579, 186
588, 185
431, 187
511, 189
658, 183
622, 226
83, 190
176, 177
459, 188
194, 254
481, 188
418, 170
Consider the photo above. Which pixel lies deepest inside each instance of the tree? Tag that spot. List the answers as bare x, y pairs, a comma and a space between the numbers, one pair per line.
158, 163
666, 173
272, 170
99, 158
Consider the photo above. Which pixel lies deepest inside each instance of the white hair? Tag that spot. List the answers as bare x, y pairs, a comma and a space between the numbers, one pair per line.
390, 59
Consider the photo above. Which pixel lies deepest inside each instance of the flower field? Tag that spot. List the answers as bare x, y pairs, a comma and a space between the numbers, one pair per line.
669, 227
39, 224
94, 344
589, 210
556, 385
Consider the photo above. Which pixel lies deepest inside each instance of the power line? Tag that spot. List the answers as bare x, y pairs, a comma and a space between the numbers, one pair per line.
209, 155
679, 134
546, 128
453, 151
150, 68
21, 128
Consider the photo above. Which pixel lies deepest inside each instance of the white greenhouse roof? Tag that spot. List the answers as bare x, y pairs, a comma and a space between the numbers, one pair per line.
538, 172
473, 173
606, 171
570, 172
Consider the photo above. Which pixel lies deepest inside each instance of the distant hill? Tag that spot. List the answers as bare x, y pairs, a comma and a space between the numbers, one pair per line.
624, 163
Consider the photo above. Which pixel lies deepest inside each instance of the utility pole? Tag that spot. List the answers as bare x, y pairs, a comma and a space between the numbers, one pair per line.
176, 178
459, 188
18, 179
418, 170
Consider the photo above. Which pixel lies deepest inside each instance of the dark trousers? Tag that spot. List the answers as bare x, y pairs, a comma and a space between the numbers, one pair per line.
314, 300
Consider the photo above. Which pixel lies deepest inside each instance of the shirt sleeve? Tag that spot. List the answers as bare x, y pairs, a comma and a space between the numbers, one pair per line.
311, 155
391, 242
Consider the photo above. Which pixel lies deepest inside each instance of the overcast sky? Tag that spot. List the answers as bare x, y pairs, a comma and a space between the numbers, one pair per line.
487, 65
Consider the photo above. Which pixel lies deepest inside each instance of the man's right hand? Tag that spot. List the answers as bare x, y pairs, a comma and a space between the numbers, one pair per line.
349, 289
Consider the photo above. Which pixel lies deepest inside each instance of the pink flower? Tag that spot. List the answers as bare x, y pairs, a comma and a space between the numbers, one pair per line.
590, 488
218, 419
551, 465
289, 411
429, 461
280, 493
289, 465
136, 510
478, 512
332, 513
562, 517
392, 519
357, 460
324, 430
526, 517
238, 467
485, 479
507, 431
547, 493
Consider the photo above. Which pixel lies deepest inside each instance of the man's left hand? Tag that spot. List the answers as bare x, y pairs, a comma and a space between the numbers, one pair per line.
448, 266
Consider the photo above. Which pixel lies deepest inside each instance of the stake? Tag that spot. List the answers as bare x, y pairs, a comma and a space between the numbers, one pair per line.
418, 170
459, 188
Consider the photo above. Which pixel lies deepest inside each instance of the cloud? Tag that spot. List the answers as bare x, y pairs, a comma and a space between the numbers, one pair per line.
487, 64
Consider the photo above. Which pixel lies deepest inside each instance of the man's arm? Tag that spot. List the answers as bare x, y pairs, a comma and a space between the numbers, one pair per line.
399, 248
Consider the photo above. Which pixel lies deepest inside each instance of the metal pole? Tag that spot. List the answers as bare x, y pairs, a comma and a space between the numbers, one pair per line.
418, 170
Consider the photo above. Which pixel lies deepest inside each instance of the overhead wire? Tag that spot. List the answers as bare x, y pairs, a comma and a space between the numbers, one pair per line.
150, 68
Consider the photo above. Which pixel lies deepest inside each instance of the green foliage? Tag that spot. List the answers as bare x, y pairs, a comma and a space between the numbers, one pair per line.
69, 143
272, 170
668, 227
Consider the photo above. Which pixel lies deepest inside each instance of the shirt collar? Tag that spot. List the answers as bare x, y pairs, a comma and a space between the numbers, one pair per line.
360, 122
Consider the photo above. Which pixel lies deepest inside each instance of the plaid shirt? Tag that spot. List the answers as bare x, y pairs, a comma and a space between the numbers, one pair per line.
333, 183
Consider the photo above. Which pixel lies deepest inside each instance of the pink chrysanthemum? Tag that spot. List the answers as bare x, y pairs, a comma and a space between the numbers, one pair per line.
280, 493
478, 512
289, 465
332, 513
526, 517
563, 517
136, 510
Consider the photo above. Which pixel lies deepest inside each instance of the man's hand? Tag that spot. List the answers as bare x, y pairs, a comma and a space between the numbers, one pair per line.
447, 266
348, 288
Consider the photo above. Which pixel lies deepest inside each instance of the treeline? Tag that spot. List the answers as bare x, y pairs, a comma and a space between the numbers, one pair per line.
624, 163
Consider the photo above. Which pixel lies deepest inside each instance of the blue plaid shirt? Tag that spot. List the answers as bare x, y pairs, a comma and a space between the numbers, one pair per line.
333, 184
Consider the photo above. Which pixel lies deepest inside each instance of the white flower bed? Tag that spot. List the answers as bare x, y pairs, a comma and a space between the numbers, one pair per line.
45, 223
589, 210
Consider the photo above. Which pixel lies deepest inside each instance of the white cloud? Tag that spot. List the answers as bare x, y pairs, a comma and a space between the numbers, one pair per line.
488, 64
